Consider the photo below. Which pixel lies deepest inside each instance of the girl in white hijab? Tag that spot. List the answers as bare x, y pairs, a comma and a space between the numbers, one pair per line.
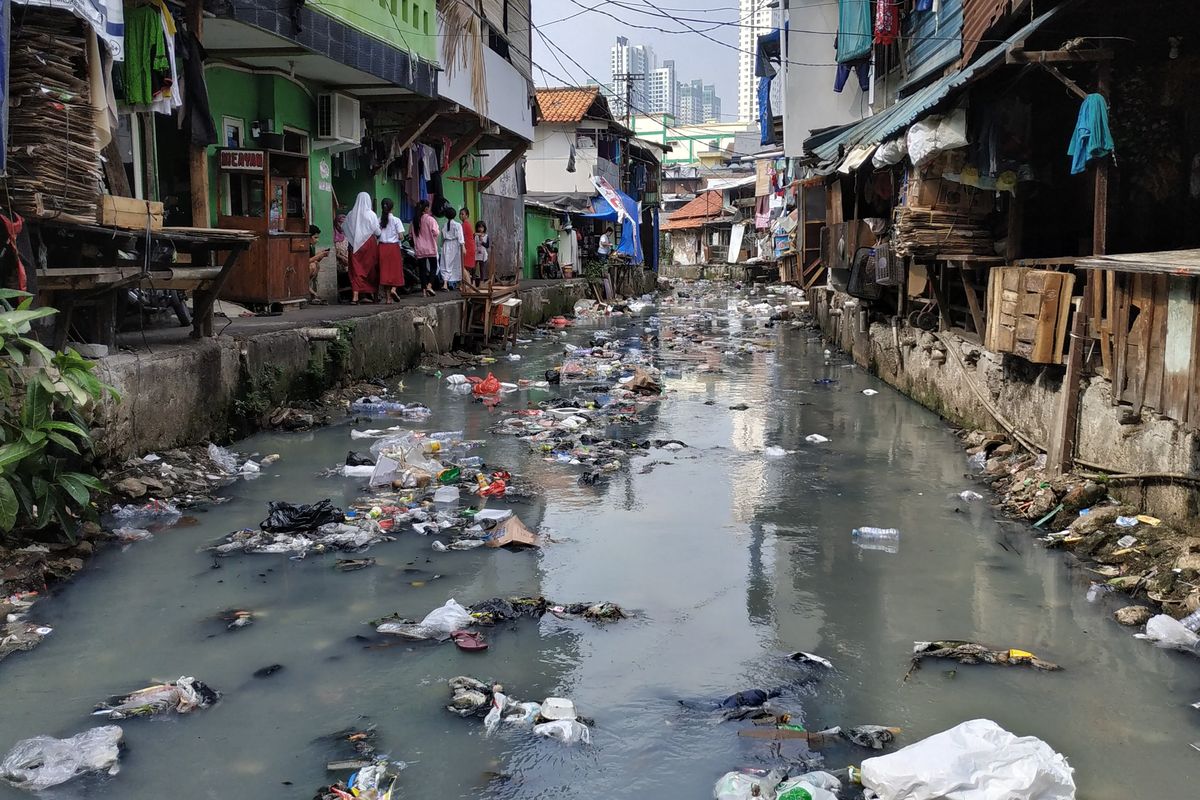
361, 228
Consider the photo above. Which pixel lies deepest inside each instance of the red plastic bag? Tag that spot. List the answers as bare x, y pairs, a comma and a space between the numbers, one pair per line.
489, 385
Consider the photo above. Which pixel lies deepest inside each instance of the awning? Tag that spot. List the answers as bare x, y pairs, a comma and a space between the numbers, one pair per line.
725, 184
875, 129
566, 202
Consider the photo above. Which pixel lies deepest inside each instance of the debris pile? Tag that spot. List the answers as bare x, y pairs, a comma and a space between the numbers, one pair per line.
180, 696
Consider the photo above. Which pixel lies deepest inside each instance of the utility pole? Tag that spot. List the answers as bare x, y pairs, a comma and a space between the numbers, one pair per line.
628, 78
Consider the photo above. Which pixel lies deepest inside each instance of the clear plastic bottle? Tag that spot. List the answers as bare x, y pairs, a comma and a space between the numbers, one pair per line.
1192, 621
868, 534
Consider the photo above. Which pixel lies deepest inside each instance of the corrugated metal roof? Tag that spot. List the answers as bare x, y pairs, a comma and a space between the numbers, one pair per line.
978, 17
704, 208
566, 103
935, 40
883, 125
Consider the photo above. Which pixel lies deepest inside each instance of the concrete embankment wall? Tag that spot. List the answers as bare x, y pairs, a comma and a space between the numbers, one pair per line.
947, 373
197, 391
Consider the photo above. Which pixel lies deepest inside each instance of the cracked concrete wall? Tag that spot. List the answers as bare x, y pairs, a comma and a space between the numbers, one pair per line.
938, 372
187, 393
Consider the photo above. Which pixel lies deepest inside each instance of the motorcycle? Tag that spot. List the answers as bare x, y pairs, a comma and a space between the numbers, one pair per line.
548, 266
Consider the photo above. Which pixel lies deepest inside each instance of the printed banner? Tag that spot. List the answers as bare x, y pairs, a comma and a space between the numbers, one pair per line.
107, 18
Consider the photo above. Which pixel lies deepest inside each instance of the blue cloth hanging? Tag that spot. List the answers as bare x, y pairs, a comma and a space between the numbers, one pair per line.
1092, 137
854, 30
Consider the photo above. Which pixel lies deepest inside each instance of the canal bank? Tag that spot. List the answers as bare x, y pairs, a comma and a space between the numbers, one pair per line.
177, 391
976, 389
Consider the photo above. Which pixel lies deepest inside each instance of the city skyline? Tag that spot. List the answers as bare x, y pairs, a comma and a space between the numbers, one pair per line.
638, 83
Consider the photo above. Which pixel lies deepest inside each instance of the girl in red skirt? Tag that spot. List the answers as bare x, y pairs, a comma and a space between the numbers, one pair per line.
362, 228
391, 259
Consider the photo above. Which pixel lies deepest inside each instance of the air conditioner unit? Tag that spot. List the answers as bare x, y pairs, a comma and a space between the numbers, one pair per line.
339, 122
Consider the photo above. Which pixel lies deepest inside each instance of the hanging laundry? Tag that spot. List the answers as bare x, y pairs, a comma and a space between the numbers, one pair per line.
766, 122
168, 96
200, 119
924, 5
862, 69
854, 30
887, 21
146, 63
1092, 138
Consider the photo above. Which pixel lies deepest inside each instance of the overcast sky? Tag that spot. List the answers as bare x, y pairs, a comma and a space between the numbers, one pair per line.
588, 37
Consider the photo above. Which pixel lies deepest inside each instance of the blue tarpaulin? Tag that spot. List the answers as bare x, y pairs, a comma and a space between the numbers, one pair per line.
630, 243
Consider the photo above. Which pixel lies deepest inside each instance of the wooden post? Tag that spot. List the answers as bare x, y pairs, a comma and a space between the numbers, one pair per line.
198, 154
1062, 441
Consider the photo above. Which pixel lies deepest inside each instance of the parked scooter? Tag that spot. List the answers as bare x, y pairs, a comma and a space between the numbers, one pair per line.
548, 266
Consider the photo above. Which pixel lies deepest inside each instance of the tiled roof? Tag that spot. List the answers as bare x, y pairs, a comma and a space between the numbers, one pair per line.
566, 103
706, 207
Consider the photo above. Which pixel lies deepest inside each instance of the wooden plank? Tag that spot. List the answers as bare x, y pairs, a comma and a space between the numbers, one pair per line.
1120, 324
1193, 408
1064, 308
939, 294
1144, 326
1155, 349
1178, 350
1104, 283
1047, 319
1062, 441
973, 302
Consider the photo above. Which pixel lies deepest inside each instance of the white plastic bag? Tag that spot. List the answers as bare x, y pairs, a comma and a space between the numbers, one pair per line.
936, 134
456, 380
223, 458
1168, 632
567, 731
977, 760
492, 720
889, 153
448, 618
740, 785
43, 761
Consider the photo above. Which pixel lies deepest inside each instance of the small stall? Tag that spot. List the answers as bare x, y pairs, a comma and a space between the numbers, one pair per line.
266, 191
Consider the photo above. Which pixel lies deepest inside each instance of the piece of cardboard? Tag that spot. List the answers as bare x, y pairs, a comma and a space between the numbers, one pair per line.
513, 531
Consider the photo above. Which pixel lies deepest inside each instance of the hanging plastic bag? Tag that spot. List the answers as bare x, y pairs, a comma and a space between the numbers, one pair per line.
489, 385
977, 760
935, 135
889, 153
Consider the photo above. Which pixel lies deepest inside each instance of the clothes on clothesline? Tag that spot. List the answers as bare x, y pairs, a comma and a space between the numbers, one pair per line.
861, 68
854, 30
147, 70
887, 21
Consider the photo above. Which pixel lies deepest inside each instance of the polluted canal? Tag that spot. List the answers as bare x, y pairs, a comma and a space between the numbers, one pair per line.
726, 556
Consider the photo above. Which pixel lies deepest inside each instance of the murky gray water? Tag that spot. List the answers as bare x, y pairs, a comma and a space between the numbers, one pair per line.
732, 559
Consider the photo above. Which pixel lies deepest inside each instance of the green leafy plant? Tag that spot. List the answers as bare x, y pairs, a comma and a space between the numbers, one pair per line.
595, 271
43, 434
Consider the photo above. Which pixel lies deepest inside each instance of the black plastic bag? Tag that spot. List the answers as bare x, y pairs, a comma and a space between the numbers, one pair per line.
288, 518
354, 459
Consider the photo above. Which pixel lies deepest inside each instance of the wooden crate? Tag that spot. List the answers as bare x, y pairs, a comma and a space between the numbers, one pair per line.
128, 213
1027, 313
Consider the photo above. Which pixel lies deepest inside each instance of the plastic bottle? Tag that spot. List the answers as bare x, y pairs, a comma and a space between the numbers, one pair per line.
469, 462
868, 534
1192, 621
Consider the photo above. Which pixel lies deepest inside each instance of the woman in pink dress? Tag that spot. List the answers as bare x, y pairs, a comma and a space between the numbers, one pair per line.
425, 233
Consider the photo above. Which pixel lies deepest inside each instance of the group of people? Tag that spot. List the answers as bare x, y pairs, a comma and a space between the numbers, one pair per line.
369, 253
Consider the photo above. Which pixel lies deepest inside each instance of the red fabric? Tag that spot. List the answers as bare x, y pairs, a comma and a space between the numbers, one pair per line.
887, 21
364, 267
13, 228
468, 248
391, 265
489, 385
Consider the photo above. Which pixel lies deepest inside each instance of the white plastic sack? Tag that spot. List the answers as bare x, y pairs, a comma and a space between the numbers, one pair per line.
889, 153
936, 134
448, 618
492, 720
977, 760
224, 459
43, 761
1168, 632
740, 785
567, 731
456, 380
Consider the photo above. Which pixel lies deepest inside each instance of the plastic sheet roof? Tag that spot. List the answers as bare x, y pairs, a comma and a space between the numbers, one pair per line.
875, 129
